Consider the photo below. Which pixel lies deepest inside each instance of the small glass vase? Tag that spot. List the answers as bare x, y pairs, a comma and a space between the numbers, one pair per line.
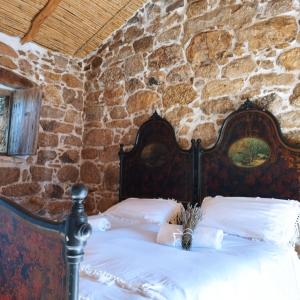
187, 238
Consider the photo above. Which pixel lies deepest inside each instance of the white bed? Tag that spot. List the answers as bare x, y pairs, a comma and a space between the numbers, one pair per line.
125, 262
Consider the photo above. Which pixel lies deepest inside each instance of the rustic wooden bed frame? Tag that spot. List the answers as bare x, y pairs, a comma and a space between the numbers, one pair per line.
40, 259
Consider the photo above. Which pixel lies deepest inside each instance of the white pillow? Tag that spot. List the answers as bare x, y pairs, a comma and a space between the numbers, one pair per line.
259, 218
150, 210
99, 222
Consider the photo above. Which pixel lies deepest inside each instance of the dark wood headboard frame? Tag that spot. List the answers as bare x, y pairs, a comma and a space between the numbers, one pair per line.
190, 175
157, 166
277, 177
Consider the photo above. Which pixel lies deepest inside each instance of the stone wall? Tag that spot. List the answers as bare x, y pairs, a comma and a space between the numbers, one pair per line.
41, 182
194, 62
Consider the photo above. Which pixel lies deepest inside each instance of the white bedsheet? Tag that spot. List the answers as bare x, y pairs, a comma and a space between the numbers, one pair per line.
126, 263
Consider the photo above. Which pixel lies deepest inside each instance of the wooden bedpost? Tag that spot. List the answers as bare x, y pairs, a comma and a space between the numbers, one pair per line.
77, 233
121, 158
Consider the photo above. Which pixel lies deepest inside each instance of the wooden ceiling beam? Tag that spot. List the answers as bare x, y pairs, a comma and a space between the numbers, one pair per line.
39, 19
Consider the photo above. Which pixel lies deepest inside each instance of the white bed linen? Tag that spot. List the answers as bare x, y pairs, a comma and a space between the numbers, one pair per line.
126, 263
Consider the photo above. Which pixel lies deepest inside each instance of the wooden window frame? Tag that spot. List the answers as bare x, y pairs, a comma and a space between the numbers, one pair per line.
7, 93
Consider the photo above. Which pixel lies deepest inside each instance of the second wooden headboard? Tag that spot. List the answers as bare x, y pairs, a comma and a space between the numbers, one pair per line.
250, 159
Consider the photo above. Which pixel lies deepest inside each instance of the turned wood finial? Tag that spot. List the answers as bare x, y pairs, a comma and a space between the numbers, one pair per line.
121, 151
155, 116
79, 192
248, 104
78, 231
78, 228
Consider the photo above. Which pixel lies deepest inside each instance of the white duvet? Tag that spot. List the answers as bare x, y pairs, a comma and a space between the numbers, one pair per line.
126, 263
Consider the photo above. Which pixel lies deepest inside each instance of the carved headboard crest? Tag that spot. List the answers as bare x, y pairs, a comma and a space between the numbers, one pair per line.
248, 104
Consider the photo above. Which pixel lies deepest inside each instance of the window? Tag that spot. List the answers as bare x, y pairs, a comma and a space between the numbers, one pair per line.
19, 121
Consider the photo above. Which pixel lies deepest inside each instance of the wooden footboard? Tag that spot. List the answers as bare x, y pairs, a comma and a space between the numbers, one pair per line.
39, 259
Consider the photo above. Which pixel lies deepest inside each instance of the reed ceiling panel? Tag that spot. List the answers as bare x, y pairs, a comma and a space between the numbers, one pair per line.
75, 27
16, 15
126, 12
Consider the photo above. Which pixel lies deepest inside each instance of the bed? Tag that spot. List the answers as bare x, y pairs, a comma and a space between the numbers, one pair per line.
133, 266
250, 158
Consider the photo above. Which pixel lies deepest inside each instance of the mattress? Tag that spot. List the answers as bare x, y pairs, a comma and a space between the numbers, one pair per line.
125, 262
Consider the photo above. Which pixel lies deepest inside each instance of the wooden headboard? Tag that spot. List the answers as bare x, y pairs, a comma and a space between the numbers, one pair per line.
250, 158
157, 166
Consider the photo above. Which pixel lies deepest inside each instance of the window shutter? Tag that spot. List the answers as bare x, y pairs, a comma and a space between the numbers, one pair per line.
24, 121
